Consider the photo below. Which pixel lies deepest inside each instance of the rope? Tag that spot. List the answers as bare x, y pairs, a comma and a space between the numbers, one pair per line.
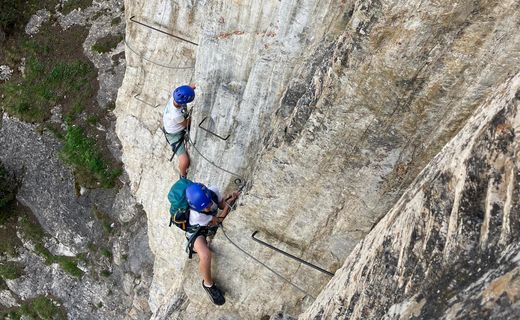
154, 62
266, 266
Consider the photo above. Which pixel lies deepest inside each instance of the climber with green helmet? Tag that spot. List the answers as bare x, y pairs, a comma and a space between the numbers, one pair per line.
176, 120
204, 218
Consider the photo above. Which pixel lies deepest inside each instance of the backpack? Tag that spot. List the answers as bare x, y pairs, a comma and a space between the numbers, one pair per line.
179, 208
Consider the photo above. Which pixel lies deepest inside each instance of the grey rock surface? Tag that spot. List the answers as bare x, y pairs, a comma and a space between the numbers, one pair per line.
68, 218
7, 299
449, 248
34, 158
115, 256
5, 73
333, 109
36, 21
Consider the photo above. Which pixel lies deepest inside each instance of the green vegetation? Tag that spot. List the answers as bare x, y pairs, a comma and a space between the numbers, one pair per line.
31, 230
92, 120
39, 308
80, 151
9, 242
46, 85
107, 43
35, 233
14, 14
91, 246
106, 253
7, 192
10, 270
71, 5
57, 73
115, 21
105, 273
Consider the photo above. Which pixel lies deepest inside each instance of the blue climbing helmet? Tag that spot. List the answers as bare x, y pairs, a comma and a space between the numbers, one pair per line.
183, 94
199, 197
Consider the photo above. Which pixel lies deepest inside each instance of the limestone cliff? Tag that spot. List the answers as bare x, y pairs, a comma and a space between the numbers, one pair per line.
333, 108
449, 247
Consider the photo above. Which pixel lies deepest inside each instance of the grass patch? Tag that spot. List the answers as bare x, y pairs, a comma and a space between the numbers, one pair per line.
57, 73
72, 5
8, 188
82, 153
3, 285
107, 43
34, 232
69, 265
14, 14
105, 273
10, 270
39, 308
31, 230
91, 246
106, 253
82, 257
9, 243
31, 98
92, 120
115, 21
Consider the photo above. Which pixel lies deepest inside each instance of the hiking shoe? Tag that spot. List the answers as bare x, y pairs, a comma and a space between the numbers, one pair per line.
215, 294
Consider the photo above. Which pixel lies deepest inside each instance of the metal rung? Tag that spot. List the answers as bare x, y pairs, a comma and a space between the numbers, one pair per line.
290, 255
161, 31
212, 133
143, 101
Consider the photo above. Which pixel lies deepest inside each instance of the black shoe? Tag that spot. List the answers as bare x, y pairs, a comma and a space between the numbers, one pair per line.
214, 293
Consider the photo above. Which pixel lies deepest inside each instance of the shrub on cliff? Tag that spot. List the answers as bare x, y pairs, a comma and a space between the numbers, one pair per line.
7, 190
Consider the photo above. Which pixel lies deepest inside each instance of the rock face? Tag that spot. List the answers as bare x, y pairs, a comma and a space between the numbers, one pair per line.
74, 230
100, 264
333, 108
449, 248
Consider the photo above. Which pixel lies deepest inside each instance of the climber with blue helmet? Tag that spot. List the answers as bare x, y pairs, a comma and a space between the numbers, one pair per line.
204, 218
176, 120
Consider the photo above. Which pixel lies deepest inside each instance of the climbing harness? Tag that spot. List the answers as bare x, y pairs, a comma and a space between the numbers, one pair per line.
155, 62
209, 231
266, 266
161, 31
182, 140
212, 133
198, 231
290, 255
177, 144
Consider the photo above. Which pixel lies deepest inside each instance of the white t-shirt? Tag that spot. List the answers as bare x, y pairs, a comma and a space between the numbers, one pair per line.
204, 219
173, 117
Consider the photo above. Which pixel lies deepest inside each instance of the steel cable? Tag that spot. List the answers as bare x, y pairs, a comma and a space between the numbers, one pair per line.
266, 266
